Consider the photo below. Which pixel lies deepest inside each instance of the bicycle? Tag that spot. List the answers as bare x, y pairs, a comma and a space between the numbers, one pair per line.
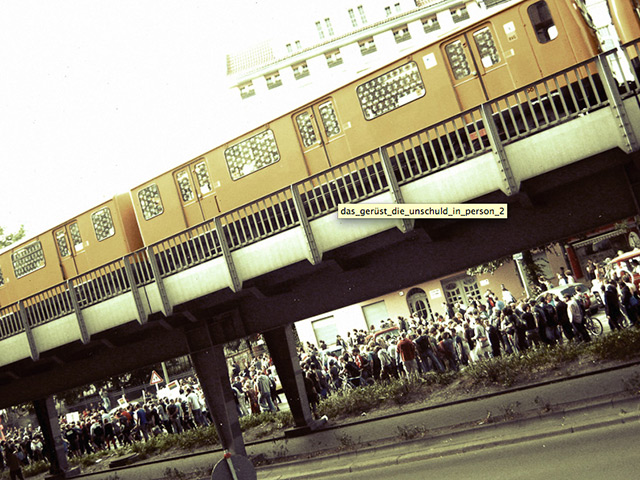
593, 325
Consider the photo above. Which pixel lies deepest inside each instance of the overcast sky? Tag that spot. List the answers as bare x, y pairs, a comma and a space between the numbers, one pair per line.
98, 96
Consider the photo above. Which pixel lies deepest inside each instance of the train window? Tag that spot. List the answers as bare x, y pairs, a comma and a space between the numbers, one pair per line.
184, 184
63, 246
542, 22
305, 127
202, 174
75, 236
391, 90
458, 60
103, 224
28, 259
486, 47
150, 202
252, 154
329, 119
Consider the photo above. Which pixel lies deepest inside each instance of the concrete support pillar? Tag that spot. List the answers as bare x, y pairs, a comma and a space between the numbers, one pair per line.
282, 347
211, 367
53, 445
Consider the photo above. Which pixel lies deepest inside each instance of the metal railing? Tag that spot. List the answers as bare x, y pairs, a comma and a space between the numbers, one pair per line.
349, 182
48, 305
571, 93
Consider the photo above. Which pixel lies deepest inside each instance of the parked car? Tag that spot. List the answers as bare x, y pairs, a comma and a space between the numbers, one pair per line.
591, 300
624, 262
393, 331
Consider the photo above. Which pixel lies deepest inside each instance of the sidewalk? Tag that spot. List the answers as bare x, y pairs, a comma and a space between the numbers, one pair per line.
551, 408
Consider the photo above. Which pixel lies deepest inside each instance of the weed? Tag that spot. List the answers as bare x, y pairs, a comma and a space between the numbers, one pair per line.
413, 431
511, 411
345, 441
174, 473
544, 405
632, 385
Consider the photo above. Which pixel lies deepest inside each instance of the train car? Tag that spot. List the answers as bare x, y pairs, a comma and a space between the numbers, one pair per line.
85, 242
508, 49
625, 15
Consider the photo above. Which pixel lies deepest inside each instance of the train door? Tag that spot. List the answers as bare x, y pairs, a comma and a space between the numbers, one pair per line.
196, 191
69, 243
321, 136
477, 66
551, 46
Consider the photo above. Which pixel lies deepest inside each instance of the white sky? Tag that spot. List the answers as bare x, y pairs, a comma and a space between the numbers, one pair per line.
98, 96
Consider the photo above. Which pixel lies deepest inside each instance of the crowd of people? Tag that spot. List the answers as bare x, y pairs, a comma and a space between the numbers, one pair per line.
493, 326
101, 428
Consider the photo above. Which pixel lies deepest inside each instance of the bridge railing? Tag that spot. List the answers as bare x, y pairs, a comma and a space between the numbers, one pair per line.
48, 305
260, 219
10, 322
349, 182
541, 105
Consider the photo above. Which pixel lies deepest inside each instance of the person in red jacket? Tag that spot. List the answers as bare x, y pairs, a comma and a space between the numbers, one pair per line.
407, 351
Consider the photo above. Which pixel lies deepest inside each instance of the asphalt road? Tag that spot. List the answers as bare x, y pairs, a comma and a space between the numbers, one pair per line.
605, 453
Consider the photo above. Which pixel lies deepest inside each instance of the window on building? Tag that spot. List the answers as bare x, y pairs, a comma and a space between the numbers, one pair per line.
542, 22
247, 90
298, 45
375, 314
273, 80
390, 90
103, 224
352, 17
252, 154
418, 303
401, 34
397, 7
333, 58
430, 24
28, 259
387, 11
300, 70
289, 48
150, 202
459, 14
1, 278
325, 329
363, 17
320, 31
367, 46
327, 22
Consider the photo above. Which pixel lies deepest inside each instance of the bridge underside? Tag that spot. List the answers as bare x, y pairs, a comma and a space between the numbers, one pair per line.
552, 206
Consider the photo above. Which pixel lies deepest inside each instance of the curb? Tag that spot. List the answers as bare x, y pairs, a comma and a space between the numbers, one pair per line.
422, 456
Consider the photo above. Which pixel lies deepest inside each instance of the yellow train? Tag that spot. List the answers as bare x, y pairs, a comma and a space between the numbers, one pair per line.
511, 48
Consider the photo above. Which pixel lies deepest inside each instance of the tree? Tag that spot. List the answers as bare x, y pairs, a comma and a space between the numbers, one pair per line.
6, 240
